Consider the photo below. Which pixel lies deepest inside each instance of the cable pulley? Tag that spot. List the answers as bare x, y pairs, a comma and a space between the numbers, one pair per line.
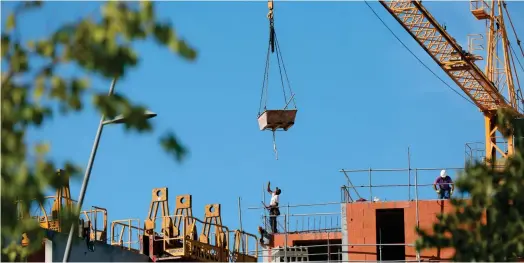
276, 119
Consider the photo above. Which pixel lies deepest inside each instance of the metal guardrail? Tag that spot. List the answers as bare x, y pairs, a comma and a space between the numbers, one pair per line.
332, 253
415, 179
183, 242
123, 231
306, 223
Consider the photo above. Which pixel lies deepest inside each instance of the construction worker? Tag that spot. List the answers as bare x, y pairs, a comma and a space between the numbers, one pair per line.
273, 207
263, 234
445, 185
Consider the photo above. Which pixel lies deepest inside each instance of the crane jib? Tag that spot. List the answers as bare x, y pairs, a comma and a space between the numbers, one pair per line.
448, 54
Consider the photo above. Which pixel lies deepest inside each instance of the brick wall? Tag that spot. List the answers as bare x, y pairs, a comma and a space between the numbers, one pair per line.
362, 227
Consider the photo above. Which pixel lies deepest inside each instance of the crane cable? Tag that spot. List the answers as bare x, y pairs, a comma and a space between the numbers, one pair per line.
272, 47
519, 90
513, 28
284, 79
419, 60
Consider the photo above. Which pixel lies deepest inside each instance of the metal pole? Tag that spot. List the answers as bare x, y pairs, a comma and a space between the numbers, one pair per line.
240, 219
409, 176
287, 212
86, 176
264, 214
328, 248
370, 188
130, 230
416, 206
96, 217
286, 224
380, 241
285, 238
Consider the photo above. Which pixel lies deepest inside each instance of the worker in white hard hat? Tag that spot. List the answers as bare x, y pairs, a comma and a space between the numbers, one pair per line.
273, 207
445, 185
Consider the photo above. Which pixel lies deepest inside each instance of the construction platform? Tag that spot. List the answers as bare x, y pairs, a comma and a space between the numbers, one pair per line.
162, 237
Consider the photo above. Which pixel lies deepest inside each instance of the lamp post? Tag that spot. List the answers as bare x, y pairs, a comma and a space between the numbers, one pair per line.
103, 122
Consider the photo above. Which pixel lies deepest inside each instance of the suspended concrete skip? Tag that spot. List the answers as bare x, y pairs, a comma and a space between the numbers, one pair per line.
276, 119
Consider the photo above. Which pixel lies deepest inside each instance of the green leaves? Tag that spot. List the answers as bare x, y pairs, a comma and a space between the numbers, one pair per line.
183, 49
166, 36
19, 62
32, 85
5, 44
488, 226
11, 21
172, 146
146, 12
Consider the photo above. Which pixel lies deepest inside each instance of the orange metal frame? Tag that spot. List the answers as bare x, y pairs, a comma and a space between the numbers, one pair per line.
460, 66
177, 237
52, 219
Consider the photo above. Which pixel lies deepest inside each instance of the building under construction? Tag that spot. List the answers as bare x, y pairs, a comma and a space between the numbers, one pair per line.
164, 235
369, 228
364, 225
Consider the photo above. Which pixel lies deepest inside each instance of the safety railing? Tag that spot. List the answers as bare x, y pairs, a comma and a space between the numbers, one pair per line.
244, 247
474, 151
214, 248
386, 184
339, 252
126, 234
176, 241
306, 223
183, 242
479, 6
43, 212
345, 194
291, 219
97, 219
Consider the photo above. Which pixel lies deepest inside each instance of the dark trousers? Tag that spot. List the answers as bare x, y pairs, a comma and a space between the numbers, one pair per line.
444, 194
273, 213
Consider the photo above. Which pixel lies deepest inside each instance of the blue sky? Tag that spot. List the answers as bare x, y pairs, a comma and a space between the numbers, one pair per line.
362, 100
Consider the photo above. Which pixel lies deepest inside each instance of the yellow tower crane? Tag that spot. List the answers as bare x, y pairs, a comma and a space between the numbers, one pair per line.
486, 88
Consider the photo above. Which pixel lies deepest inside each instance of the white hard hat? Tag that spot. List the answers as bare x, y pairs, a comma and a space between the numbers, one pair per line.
443, 173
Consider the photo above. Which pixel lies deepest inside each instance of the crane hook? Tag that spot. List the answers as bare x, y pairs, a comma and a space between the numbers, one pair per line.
270, 7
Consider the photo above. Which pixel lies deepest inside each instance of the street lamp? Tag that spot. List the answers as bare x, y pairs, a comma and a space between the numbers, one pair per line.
117, 120
121, 119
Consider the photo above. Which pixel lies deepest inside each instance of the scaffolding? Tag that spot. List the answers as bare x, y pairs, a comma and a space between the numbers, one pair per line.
418, 182
166, 237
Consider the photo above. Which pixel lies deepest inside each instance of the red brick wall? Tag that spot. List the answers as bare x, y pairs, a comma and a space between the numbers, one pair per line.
361, 227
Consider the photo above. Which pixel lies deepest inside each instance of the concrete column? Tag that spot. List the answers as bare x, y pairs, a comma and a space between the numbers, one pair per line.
48, 247
344, 224
266, 255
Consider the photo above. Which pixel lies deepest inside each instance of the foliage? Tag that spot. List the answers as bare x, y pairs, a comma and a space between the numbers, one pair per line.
33, 87
489, 226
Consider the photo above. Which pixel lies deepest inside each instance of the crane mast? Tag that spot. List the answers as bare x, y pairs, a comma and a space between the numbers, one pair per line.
498, 68
485, 89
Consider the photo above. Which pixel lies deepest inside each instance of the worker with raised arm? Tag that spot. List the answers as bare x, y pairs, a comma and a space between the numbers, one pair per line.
273, 207
445, 185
